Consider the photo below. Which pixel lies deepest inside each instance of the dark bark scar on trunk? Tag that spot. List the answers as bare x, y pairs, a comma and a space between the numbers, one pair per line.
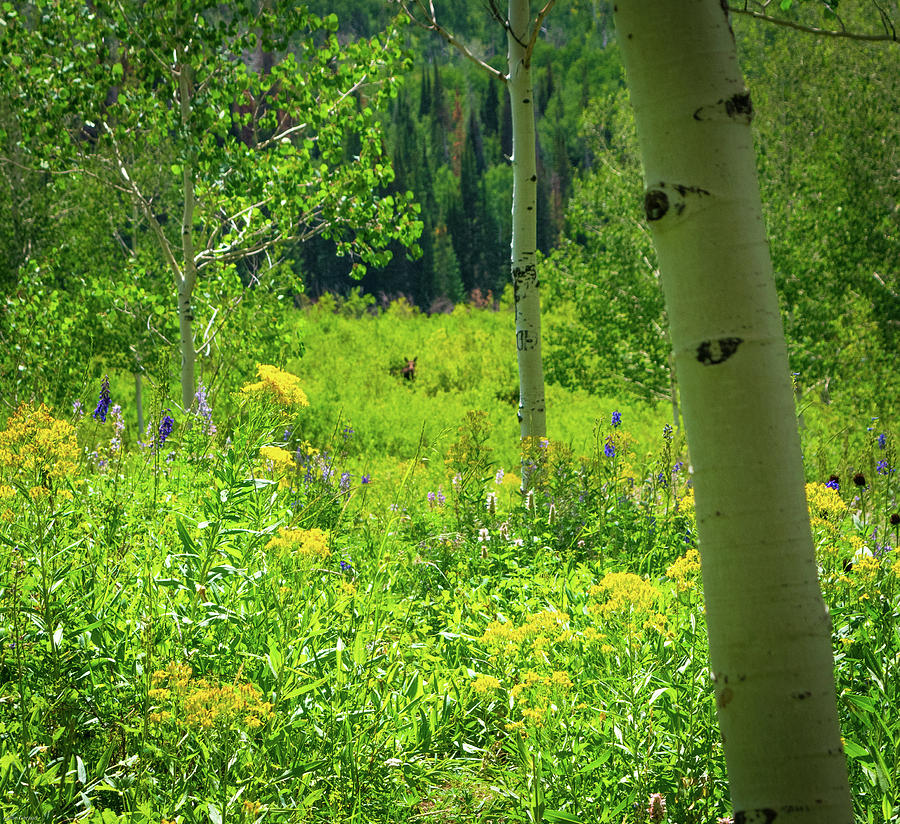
763, 816
656, 204
723, 699
738, 108
712, 352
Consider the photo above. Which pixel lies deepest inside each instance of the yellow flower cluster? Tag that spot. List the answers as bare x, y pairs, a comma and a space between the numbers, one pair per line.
685, 505
485, 683
866, 568
204, 704
624, 592
541, 629
309, 542
535, 692
278, 460
824, 503
684, 571
36, 444
282, 386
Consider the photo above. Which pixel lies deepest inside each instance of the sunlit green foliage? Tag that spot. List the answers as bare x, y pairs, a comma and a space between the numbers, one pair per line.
307, 615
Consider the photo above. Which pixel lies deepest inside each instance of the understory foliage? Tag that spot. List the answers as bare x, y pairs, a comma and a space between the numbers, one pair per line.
248, 620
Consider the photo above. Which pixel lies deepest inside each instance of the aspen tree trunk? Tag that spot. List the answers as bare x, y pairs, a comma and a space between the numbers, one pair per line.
532, 413
188, 277
139, 402
769, 630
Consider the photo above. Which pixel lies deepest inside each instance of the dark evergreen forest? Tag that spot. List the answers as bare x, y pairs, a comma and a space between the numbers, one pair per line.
450, 141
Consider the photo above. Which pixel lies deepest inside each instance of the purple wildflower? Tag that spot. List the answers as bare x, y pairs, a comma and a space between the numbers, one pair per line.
441, 498
204, 411
882, 468
77, 408
365, 479
882, 441
616, 418
103, 402
115, 443
166, 425
609, 450
833, 483
346, 566
345, 481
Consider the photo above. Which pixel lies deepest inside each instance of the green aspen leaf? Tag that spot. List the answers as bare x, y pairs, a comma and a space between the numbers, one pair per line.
786, 4
176, 169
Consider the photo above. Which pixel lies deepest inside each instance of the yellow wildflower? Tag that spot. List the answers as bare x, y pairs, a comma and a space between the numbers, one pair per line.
485, 683
560, 678
685, 505
895, 567
624, 592
308, 542
535, 715
35, 443
7, 492
866, 568
684, 571
660, 623
541, 629
280, 459
251, 808
278, 384
824, 502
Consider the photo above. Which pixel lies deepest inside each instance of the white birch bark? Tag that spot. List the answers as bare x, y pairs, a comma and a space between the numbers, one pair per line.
769, 630
532, 413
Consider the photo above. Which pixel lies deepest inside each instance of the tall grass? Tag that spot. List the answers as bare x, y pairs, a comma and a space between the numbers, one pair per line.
349, 612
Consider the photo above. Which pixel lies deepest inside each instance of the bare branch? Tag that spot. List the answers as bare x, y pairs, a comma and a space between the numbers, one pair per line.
144, 205
889, 36
432, 25
537, 28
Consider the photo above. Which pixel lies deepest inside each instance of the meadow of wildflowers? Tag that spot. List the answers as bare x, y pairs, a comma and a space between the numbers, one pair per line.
264, 619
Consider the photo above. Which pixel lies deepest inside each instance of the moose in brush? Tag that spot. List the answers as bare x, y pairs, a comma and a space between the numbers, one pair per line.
407, 371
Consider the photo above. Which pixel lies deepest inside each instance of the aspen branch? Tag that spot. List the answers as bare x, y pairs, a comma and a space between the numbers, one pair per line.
537, 28
144, 204
432, 25
889, 36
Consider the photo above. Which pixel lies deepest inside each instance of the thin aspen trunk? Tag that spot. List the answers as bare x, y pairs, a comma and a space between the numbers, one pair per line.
673, 392
139, 402
188, 277
769, 629
532, 412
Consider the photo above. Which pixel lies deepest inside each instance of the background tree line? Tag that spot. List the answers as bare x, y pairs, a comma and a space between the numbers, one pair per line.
827, 162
